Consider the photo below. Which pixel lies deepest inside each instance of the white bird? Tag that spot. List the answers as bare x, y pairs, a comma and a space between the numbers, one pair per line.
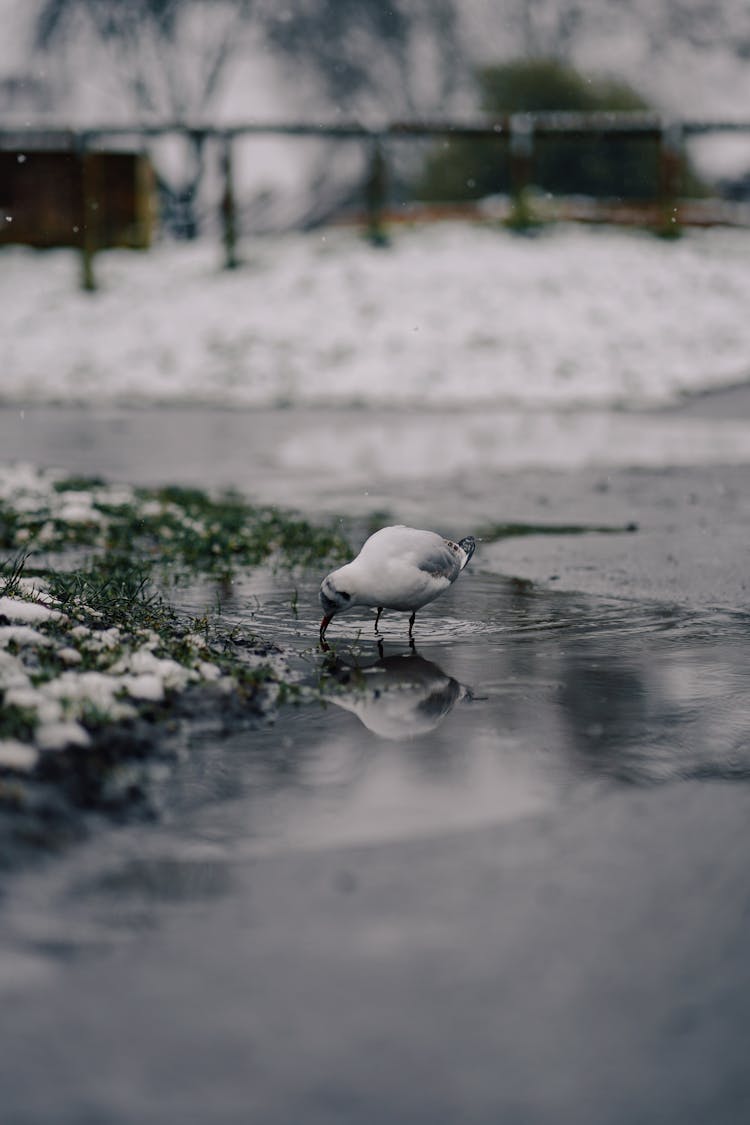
399, 568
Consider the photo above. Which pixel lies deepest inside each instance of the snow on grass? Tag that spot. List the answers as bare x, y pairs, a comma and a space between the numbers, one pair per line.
12, 672
21, 634
58, 685
90, 645
459, 313
25, 612
180, 526
17, 756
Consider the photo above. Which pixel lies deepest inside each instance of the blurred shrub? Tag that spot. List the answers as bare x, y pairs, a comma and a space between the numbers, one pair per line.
624, 168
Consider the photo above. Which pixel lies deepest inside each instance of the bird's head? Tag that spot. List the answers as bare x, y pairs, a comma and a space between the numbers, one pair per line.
334, 598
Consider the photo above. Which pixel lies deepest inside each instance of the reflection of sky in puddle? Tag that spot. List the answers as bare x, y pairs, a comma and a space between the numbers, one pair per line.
391, 796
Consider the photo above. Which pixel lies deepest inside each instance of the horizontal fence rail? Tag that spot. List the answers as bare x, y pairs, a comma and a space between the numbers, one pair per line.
541, 124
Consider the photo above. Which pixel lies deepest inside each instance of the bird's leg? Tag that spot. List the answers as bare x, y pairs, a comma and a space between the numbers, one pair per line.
412, 619
380, 610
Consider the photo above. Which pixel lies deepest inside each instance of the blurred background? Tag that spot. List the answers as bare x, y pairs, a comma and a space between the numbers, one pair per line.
218, 63
553, 196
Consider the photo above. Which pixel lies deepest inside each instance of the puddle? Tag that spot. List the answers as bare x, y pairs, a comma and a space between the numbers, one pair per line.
513, 701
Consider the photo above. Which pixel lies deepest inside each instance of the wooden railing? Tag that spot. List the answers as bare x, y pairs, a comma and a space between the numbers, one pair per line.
519, 131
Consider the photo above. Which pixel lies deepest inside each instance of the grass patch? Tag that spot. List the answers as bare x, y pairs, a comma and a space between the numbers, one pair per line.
115, 590
491, 533
215, 535
182, 528
101, 679
112, 653
11, 573
109, 615
17, 723
78, 484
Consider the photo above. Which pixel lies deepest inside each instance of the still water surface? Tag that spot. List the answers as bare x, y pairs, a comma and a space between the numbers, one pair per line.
512, 700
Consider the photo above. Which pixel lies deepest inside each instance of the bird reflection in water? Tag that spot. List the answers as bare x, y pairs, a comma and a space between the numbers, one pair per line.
397, 697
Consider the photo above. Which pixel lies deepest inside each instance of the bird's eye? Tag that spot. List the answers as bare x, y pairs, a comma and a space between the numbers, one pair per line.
343, 594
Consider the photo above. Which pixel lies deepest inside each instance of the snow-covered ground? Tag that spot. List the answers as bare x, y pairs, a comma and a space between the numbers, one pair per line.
449, 315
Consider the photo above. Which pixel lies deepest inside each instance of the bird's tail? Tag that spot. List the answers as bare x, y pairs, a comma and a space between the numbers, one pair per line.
468, 545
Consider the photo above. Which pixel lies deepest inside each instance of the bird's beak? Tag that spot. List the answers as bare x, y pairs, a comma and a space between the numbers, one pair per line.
324, 624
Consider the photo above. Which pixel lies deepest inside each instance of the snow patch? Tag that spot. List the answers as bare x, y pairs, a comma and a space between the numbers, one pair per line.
23, 612
22, 635
58, 735
12, 672
457, 314
17, 756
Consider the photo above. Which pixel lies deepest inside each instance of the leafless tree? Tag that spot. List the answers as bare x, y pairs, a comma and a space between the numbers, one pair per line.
370, 61
366, 56
361, 59
170, 56
169, 60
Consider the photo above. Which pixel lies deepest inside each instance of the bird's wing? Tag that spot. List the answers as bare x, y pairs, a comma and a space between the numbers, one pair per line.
440, 558
393, 548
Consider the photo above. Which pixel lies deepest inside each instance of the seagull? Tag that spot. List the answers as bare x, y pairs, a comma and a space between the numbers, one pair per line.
399, 568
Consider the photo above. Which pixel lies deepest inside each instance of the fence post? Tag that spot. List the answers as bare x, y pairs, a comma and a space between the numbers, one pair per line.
376, 192
228, 205
89, 216
521, 155
670, 171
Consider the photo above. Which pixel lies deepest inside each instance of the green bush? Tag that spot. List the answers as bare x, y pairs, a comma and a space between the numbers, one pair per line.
624, 168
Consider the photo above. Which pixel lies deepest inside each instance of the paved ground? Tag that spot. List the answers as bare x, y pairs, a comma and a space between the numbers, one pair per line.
690, 547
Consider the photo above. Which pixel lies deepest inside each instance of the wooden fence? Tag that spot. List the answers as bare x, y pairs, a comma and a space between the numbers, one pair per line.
518, 132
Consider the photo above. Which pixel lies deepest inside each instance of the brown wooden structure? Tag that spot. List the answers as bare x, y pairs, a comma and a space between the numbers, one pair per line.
49, 197
72, 196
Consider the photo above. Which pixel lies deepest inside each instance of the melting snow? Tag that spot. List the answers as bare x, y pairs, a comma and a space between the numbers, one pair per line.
15, 609
58, 735
457, 313
15, 755
22, 635
12, 672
